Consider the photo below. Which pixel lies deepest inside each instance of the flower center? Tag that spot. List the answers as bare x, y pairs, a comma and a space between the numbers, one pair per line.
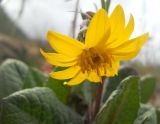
93, 60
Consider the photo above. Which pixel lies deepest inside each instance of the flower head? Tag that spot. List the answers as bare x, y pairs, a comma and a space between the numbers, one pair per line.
106, 44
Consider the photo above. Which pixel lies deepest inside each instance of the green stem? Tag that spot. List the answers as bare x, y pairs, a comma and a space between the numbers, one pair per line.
103, 4
107, 5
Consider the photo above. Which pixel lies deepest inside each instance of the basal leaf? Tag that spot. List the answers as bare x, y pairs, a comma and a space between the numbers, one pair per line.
12, 76
147, 88
15, 76
36, 106
112, 83
34, 78
123, 104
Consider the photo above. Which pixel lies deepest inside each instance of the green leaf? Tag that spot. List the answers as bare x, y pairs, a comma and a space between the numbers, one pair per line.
123, 104
15, 76
146, 115
147, 88
36, 106
35, 78
112, 83
12, 75
62, 91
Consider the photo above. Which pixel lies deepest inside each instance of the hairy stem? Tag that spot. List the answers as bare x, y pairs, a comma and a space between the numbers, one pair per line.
98, 99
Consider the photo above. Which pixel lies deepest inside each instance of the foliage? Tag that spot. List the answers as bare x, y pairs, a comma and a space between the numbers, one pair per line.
36, 106
15, 76
120, 104
112, 83
147, 85
29, 96
61, 91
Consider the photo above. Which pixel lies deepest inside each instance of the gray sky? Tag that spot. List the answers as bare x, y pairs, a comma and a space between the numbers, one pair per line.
41, 15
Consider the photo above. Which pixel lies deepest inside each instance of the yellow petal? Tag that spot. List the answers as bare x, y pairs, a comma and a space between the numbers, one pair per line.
127, 56
58, 59
112, 70
64, 44
125, 35
65, 74
130, 48
128, 30
117, 22
98, 29
79, 78
93, 77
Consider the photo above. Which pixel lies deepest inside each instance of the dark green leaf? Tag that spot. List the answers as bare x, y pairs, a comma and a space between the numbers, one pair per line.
35, 78
36, 106
147, 88
15, 75
123, 104
112, 83
62, 91
12, 76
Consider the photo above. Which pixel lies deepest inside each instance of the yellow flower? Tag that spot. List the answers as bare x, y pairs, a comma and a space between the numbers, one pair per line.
106, 44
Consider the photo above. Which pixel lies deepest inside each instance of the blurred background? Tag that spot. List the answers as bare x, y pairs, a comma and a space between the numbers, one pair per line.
24, 24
